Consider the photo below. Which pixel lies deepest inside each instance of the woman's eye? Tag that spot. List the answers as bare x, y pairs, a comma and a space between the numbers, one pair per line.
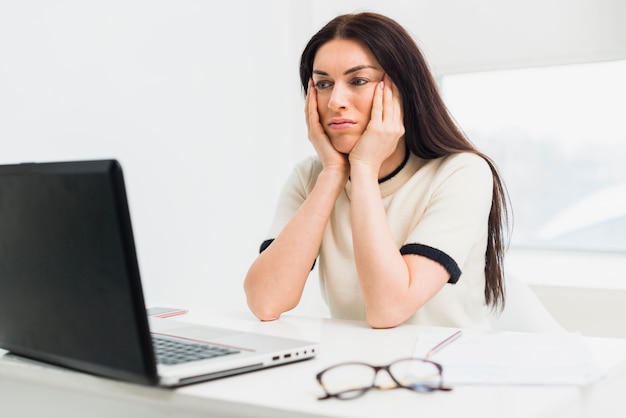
359, 81
321, 85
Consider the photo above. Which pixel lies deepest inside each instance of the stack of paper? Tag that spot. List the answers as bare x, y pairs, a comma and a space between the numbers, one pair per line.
512, 358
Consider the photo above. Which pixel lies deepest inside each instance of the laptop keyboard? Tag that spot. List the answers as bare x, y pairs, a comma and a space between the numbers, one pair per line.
169, 352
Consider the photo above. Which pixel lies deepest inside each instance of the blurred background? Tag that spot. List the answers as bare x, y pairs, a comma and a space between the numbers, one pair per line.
200, 101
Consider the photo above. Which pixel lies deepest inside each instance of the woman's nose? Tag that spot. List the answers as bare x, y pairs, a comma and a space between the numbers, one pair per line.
339, 97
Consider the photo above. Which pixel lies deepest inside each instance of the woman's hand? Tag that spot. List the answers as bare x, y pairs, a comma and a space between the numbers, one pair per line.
385, 129
331, 158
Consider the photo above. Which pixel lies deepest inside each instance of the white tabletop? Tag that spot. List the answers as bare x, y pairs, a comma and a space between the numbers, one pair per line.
291, 390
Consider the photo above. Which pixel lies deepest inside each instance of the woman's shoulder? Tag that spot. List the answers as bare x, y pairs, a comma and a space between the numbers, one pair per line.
309, 166
459, 168
306, 171
310, 162
465, 159
466, 162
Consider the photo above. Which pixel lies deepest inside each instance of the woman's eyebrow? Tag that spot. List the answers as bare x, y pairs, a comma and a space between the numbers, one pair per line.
349, 70
359, 68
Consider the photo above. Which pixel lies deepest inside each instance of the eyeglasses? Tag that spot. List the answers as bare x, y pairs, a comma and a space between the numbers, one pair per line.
350, 380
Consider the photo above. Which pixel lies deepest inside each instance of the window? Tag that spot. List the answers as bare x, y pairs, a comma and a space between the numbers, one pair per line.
558, 136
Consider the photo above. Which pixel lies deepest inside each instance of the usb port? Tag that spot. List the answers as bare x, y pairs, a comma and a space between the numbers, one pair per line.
287, 355
275, 358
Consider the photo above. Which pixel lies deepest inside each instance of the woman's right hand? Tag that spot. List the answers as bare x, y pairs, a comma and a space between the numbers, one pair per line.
331, 158
276, 280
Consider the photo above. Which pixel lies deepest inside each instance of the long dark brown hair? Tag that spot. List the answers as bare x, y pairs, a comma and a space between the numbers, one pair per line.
430, 131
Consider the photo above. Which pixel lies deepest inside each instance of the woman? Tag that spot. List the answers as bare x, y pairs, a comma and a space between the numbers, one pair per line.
406, 216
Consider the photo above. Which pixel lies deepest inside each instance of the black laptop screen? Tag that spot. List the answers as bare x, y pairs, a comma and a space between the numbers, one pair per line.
70, 291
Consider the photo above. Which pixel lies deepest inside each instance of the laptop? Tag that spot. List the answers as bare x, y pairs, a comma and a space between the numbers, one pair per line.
71, 294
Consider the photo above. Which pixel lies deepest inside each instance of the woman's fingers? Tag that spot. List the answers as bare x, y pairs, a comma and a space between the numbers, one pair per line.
312, 116
388, 99
392, 102
310, 104
317, 135
397, 102
393, 107
386, 104
378, 103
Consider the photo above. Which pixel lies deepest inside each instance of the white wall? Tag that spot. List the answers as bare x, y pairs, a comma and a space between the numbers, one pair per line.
195, 98
475, 35
200, 101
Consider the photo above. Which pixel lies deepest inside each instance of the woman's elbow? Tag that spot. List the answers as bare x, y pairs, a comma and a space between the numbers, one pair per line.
382, 325
386, 317
264, 313
261, 308
264, 306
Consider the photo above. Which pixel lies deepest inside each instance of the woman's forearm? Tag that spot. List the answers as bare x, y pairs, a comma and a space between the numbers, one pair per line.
394, 286
383, 273
276, 279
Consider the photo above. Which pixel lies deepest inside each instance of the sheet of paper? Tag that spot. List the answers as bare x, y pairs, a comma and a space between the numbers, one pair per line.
512, 358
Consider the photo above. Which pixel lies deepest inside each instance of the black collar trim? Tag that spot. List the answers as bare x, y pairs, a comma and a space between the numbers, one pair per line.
398, 169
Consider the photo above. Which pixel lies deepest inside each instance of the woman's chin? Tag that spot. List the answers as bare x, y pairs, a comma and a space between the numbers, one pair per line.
343, 146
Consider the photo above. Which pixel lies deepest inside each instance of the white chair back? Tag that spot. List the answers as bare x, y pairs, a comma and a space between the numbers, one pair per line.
523, 311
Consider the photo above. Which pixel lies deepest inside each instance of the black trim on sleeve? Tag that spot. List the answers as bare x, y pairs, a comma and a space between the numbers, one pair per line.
267, 243
436, 255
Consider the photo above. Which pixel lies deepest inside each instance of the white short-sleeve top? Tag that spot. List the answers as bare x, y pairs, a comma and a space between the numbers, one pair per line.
435, 208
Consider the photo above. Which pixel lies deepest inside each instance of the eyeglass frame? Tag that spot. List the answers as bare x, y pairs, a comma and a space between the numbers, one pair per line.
364, 390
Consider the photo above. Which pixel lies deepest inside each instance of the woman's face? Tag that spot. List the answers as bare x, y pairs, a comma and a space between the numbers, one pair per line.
345, 74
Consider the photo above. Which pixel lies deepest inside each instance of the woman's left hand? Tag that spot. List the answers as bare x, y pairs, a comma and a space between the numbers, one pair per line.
384, 130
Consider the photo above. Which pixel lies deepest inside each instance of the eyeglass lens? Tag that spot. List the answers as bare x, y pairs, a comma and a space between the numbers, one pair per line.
350, 380
416, 375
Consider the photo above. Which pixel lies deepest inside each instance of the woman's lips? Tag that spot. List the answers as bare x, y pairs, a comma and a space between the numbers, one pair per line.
341, 124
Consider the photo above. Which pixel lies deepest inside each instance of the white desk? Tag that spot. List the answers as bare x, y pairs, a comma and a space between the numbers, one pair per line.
28, 390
